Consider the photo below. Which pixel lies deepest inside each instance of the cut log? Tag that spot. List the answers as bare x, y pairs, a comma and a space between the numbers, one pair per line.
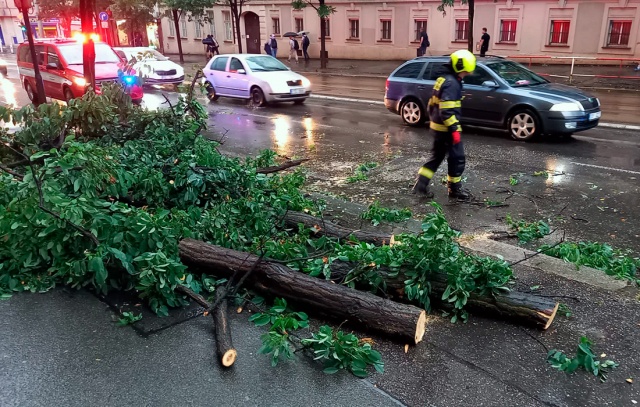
226, 353
522, 308
328, 228
320, 297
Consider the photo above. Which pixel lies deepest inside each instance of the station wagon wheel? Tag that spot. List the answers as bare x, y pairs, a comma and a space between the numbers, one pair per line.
68, 95
523, 125
411, 112
257, 97
211, 91
29, 89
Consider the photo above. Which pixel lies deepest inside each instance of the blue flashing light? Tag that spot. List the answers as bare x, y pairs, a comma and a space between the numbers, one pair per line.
129, 80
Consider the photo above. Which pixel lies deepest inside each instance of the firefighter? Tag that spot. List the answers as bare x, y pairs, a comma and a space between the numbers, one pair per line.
444, 112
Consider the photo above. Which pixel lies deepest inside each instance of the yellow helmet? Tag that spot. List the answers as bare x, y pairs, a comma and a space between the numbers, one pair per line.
463, 61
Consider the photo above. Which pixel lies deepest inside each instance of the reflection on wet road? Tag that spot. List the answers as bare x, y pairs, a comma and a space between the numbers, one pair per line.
593, 176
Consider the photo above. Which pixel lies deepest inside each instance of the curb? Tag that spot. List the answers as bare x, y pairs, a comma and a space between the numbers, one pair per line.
491, 248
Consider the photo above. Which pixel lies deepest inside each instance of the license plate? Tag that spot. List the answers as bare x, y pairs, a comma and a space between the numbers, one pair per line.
595, 116
297, 91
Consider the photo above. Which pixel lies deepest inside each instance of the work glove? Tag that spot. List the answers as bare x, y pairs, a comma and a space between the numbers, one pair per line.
456, 137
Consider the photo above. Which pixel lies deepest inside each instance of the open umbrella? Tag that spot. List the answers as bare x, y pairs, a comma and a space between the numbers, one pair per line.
290, 34
303, 32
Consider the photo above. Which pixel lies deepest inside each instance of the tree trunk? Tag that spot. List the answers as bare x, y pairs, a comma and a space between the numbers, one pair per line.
323, 35
236, 19
226, 353
176, 23
521, 308
328, 228
320, 297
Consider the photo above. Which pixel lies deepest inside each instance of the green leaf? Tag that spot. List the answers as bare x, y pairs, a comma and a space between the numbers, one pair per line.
330, 370
96, 265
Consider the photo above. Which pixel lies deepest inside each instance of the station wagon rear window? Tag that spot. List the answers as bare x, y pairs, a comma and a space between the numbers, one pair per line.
410, 70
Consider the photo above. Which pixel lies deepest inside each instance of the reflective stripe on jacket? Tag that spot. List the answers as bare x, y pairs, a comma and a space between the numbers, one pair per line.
445, 104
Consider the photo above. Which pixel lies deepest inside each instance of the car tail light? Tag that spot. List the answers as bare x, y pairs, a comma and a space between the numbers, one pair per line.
386, 85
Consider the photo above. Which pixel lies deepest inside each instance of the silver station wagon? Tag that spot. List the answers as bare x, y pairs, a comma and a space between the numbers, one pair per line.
500, 94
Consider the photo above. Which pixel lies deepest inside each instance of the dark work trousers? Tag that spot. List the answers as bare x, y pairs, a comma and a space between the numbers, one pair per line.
443, 147
304, 51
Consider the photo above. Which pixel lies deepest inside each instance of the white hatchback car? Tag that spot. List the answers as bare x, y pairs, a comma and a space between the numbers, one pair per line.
154, 68
260, 78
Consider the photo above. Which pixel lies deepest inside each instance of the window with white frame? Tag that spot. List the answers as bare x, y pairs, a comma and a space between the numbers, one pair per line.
198, 28
354, 28
327, 27
619, 32
559, 34
275, 25
462, 30
172, 28
508, 30
299, 24
419, 25
211, 23
228, 30
183, 26
385, 31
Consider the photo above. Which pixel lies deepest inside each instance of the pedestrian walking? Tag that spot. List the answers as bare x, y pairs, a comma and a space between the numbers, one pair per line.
484, 42
305, 46
212, 46
424, 42
293, 49
445, 111
273, 43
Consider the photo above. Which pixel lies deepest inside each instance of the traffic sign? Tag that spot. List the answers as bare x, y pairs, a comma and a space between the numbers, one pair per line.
103, 16
104, 24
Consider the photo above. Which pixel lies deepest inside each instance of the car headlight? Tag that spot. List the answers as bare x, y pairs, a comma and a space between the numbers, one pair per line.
306, 82
566, 107
80, 81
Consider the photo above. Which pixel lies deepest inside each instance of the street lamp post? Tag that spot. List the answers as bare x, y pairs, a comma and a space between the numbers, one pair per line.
24, 6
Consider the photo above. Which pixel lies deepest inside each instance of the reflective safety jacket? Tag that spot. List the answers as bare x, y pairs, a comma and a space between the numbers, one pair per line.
445, 104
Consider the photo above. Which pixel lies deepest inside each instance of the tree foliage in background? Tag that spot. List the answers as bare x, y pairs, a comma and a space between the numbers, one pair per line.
190, 10
64, 10
471, 3
135, 13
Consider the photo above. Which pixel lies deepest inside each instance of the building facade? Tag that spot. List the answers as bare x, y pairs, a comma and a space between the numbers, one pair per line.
379, 29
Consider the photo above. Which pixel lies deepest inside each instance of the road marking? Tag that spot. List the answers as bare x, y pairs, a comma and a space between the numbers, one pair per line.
619, 126
605, 168
341, 99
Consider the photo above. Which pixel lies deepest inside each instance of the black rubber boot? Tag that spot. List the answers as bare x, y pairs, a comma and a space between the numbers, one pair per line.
456, 191
421, 187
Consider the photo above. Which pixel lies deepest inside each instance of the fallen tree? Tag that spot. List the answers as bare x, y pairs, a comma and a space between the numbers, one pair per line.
323, 298
523, 308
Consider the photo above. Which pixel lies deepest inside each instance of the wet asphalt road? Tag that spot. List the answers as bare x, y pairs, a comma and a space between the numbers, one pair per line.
591, 192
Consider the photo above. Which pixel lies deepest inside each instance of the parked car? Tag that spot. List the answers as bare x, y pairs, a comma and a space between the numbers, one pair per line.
153, 67
260, 78
62, 70
500, 94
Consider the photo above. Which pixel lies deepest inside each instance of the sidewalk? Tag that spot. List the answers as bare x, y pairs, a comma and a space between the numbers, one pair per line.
382, 68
